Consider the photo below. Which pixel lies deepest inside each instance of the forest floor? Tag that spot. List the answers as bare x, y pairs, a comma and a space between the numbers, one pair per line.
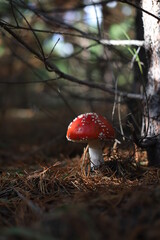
47, 193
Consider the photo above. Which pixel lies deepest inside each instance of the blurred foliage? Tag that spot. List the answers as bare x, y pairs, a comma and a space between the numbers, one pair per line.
117, 31
68, 39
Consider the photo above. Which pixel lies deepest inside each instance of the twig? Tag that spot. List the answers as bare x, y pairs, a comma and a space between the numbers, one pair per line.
14, 15
97, 20
140, 8
34, 33
53, 68
50, 66
85, 167
119, 117
106, 42
115, 99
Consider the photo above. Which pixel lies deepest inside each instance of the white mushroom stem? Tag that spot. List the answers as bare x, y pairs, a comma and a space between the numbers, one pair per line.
95, 153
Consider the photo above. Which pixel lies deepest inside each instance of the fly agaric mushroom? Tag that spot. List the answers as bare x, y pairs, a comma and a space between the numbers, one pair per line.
91, 128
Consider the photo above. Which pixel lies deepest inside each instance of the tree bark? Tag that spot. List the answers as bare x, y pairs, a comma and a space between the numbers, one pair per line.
151, 118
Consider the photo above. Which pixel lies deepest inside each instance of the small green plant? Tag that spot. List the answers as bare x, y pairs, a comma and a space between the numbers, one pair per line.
134, 53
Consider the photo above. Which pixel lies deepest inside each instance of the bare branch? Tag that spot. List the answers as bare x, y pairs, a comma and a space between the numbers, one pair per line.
105, 42
138, 43
81, 6
52, 68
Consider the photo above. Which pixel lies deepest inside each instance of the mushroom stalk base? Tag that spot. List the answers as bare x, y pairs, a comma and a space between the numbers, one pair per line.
95, 153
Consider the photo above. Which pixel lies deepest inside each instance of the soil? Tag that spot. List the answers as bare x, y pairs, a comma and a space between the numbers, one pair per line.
47, 190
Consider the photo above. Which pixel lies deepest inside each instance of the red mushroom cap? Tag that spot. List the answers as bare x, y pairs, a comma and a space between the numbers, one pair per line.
90, 126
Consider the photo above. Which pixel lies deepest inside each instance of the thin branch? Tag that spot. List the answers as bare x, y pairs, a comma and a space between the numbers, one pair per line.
50, 54
139, 8
119, 117
97, 20
34, 33
115, 98
82, 6
14, 15
53, 68
28, 82
137, 43
50, 19
105, 42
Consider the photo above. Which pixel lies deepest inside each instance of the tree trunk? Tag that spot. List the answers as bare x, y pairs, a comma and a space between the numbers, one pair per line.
151, 118
135, 106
